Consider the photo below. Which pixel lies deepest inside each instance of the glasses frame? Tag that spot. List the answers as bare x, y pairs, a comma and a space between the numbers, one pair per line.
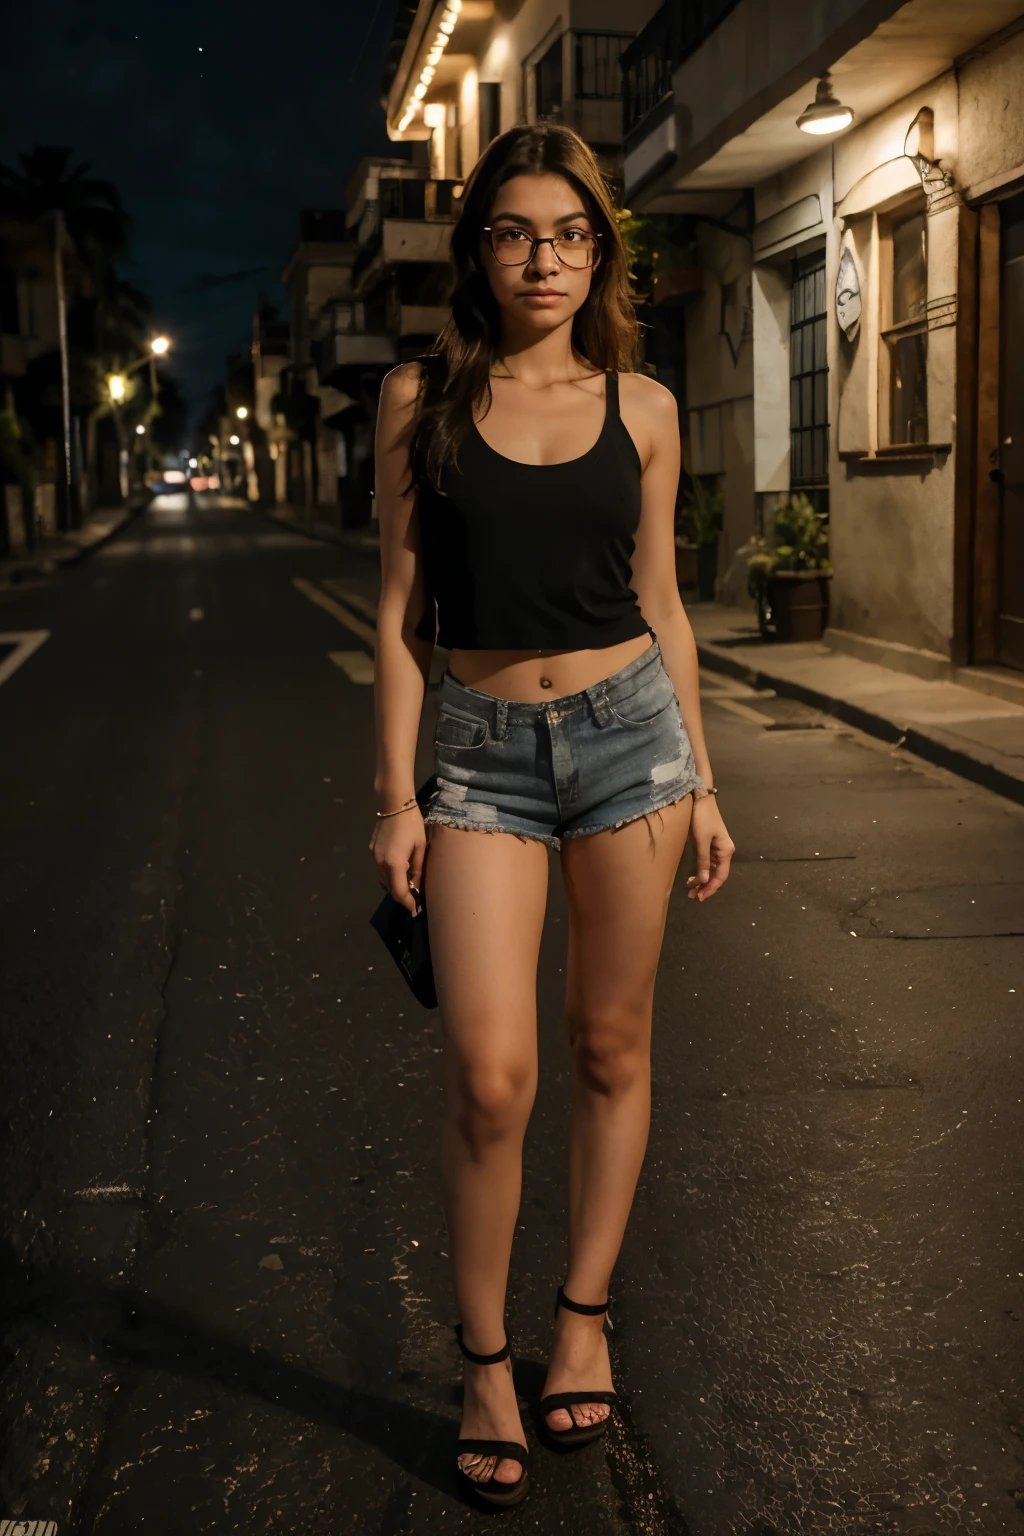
538, 241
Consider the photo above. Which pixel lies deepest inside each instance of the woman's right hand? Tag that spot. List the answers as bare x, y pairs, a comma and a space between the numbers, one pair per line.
399, 845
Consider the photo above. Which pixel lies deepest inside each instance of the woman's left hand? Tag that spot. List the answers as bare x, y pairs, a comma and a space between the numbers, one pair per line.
713, 847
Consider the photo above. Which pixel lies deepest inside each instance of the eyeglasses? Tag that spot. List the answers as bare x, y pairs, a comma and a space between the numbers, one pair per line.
515, 247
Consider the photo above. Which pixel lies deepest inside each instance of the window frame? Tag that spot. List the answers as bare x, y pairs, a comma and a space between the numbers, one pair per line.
888, 332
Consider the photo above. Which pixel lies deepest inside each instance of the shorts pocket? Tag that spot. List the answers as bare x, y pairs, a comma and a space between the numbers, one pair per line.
645, 704
459, 732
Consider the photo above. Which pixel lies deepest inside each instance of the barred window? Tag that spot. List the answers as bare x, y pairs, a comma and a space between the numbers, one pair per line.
808, 374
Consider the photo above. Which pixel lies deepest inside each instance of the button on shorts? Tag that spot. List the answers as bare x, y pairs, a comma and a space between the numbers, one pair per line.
568, 767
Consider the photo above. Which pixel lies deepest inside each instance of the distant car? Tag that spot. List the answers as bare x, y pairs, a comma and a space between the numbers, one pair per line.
163, 480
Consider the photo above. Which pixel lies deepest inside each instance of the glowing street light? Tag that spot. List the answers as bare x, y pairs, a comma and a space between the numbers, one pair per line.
160, 345
116, 386
825, 114
233, 440
242, 412
193, 463
140, 430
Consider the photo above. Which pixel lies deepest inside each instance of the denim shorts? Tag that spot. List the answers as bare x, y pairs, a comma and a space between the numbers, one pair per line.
568, 767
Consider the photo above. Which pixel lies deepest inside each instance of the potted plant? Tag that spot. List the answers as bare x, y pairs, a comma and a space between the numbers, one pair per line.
788, 573
702, 521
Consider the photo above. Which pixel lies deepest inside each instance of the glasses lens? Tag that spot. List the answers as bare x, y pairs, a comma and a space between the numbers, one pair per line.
576, 248
511, 246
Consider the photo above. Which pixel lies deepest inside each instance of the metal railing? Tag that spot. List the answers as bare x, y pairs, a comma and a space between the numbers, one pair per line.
596, 72
673, 33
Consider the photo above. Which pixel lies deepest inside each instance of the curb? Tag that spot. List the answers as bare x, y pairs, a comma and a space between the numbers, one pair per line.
45, 564
348, 539
913, 740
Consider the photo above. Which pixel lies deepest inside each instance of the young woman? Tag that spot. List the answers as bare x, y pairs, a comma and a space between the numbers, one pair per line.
526, 488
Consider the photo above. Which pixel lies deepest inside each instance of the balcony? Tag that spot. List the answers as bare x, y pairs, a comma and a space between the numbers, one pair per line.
673, 33
422, 319
409, 221
712, 88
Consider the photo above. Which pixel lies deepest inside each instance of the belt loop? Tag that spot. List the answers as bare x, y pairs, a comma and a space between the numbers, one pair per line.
598, 696
501, 719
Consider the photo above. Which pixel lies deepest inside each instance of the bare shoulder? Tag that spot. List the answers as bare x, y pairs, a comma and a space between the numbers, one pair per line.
400, 387
650, 415
641, 393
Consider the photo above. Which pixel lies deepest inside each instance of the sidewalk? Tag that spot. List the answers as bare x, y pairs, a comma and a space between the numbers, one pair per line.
297, 519
969, 731
65, 548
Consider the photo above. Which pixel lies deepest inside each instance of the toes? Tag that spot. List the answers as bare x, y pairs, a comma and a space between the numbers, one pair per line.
508, 1472
478, 1467
580, 1416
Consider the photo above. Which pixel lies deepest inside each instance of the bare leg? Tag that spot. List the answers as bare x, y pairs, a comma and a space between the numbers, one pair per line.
618, 884
486, 893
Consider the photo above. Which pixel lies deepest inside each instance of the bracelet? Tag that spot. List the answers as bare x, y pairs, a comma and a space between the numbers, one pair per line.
406, 807
699, 793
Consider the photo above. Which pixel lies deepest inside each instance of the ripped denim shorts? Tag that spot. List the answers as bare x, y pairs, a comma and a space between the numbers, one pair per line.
568, 767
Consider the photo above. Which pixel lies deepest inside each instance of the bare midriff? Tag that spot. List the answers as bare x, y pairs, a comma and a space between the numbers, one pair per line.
533, 677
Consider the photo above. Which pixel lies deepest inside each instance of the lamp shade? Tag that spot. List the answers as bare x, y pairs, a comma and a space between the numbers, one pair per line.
824, 114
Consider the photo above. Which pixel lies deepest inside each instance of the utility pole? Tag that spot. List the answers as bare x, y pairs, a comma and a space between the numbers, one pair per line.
69, 518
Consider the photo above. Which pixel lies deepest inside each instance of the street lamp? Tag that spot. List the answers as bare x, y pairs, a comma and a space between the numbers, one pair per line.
233, 440
116, 386
160, 345
242, 412
140, 430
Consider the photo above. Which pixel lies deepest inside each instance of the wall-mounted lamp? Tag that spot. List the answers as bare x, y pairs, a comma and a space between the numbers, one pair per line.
824, 114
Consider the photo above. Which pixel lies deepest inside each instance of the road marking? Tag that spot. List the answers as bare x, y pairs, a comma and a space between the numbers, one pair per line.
744, 711
25, 643
343, 590
356, 665
25, 1527
349, 620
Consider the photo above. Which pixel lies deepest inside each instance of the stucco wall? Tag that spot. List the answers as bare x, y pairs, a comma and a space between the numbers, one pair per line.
891, 522
992, 115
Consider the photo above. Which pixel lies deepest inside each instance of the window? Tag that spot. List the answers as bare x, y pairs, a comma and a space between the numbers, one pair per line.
548, 82
489, 111
808, 374
907, 336
598, 73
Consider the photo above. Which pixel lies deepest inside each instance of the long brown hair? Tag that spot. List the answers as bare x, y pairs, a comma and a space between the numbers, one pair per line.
456, 378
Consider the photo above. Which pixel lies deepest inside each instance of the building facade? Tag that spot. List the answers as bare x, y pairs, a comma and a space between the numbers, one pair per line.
462, 71
853, 338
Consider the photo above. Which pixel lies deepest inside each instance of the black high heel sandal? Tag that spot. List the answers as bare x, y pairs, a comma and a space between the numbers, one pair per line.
492, 1492
580, 1434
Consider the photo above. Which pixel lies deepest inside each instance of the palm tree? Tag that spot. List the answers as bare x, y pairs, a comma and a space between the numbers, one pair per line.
84, 210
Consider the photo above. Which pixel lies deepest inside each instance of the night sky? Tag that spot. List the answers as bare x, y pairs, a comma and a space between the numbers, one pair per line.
214, 151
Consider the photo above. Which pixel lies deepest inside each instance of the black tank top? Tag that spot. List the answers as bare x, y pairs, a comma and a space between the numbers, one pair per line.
534, 556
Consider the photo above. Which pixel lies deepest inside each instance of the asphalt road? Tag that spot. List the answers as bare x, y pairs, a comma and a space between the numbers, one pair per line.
224, 1278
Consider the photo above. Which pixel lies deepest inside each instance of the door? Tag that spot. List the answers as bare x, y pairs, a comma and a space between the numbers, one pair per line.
1010, 473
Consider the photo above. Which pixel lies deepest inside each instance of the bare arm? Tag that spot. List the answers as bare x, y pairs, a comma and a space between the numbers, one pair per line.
402, 661
650, 413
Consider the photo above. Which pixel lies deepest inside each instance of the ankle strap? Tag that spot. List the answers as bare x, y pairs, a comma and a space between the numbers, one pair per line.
562, 1300
494, 1359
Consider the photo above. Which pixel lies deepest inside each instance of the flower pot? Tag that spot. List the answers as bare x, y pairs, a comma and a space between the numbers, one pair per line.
707, 571
794, 606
